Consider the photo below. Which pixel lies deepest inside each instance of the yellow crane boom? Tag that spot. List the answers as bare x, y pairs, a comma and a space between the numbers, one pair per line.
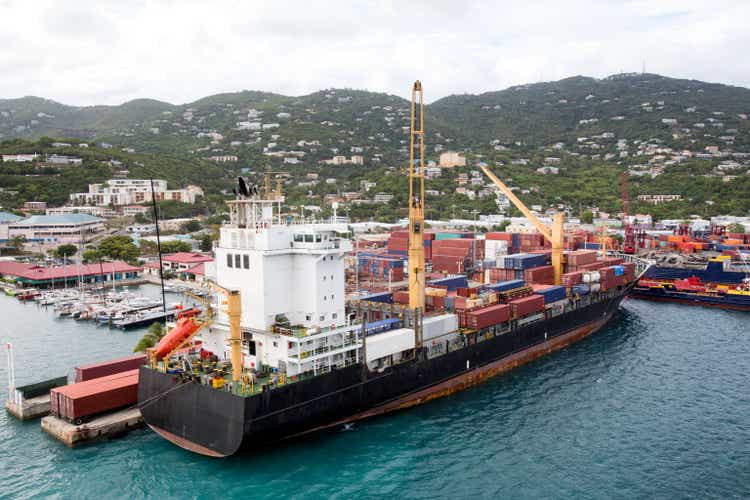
555, 236
235, 335
416, 200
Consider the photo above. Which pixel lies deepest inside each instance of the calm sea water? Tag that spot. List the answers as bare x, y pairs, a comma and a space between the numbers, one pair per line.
655, 405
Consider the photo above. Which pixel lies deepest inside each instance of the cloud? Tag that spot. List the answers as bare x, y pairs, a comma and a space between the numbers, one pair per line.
107, 52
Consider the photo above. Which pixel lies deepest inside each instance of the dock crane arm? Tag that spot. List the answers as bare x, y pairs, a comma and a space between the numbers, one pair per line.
235, 336
554, 236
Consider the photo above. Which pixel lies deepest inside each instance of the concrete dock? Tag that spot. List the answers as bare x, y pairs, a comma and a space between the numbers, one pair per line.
29, 408
109, 425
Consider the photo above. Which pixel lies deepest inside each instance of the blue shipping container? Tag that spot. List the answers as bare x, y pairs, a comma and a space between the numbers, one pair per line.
582, 289
452, 283
619, 270
552, 294
384, 297
504, 286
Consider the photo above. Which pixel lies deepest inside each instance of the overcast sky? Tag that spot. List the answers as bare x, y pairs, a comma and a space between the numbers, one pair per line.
100, 52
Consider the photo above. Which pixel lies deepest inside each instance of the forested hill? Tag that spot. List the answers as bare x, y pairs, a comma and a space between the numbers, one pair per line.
564, 142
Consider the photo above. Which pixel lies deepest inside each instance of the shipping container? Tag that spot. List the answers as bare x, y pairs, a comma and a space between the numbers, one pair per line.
78, 401
451, 283
104, 368
505, 286
526, 305
488, 316
552, 293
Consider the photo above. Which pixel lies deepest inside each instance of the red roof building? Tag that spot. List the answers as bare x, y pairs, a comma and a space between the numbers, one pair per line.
46, 277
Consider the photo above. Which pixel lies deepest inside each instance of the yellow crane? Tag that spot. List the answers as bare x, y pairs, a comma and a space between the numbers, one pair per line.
268, 192
416, 200
234, 311
554, 235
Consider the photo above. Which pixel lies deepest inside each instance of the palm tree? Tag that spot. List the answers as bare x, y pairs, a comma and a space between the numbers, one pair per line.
155, 333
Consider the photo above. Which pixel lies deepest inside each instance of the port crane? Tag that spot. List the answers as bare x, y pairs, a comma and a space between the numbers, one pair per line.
554, 234
628, 244
416, 200
269, 193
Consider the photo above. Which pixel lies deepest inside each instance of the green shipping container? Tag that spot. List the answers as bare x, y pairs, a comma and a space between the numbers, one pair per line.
447, 236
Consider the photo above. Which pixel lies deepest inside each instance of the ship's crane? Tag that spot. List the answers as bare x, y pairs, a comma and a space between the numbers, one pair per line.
628, 245
269, 193
554, 235
416, 200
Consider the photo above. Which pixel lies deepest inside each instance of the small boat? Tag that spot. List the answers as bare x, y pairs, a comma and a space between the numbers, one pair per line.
27, 294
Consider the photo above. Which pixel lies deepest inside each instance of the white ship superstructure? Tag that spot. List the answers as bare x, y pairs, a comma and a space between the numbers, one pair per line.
290, 276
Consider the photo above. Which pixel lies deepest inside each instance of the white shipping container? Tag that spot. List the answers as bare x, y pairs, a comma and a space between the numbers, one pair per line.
387, 343
435, 326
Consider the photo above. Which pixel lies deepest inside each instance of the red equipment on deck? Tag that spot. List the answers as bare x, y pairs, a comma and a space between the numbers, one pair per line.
184, 328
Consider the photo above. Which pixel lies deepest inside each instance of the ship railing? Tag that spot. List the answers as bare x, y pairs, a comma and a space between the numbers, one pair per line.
641, 264
307, 353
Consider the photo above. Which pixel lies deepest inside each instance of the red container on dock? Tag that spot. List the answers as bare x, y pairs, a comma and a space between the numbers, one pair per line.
84, 399
401, 297
96, 370
488, 316
527, 305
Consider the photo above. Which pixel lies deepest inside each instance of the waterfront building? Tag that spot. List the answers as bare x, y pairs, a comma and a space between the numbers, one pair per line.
95, 211
6, 218
57, 229
118, 192
33, 275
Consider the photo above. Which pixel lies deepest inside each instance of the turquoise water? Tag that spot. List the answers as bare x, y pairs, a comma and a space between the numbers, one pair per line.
655, 405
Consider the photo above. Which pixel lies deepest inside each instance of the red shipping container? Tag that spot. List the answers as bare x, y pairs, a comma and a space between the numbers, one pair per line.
494, 235
451, 252
488, 316
88, 372
570, 279
401, 297
83, 399
594, 266
459, 302
581, 257
526, 305
541, 274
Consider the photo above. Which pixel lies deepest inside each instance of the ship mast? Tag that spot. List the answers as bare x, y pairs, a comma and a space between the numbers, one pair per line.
416, 200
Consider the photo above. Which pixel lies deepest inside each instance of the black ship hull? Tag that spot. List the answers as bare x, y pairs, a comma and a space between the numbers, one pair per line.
218, 423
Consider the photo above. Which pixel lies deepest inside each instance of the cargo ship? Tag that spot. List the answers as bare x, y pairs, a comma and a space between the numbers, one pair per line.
282, 352
713, 286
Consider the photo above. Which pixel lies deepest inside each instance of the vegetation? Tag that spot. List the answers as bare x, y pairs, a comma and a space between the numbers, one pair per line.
119, 248
155, 333
65, 251
175, 246
736, 228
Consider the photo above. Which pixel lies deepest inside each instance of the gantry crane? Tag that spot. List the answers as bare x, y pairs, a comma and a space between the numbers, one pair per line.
554, 235
416, 200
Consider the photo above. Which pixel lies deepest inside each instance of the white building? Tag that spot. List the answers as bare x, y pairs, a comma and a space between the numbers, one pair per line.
95, 211
342, 160
291, 281
57, 229
451, 159
133, 191
20, 158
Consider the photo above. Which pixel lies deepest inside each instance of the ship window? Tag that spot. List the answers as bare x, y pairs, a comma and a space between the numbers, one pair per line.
324, 278
246, 261
324, 297
308, 238
322, 317
251, 348
298, 238
276, 344
308, 317
332, 297
332, 277
318, 239
237, 261
334, 315
229, 260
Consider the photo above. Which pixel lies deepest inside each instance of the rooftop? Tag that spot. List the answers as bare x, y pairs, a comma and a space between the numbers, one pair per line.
38, 273
8, 217
187, 258
75, 218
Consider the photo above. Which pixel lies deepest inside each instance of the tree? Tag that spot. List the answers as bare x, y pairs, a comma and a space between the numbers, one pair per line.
66, 250
207, 243
175, 246
155, 333
17, 243
191, 226
91, 256
736, 228
119, 248
587, 217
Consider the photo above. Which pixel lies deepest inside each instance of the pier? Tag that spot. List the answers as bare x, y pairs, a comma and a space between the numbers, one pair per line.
110, 425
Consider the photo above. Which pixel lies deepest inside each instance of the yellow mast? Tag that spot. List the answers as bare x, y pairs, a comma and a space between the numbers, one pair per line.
416, 200
556, 236
235, 335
